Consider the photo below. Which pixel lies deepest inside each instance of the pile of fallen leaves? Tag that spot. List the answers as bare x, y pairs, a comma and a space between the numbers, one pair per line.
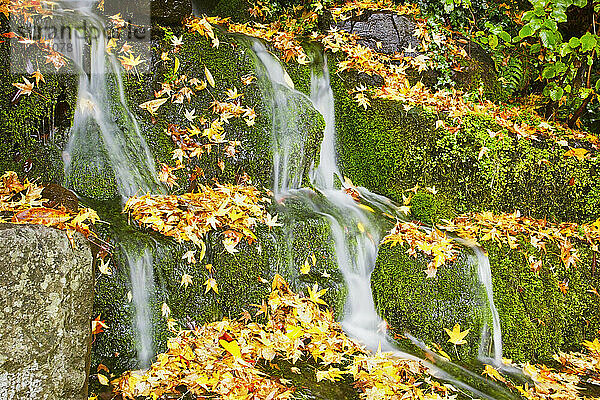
22, 203
188, 217
563, 382
223, 358
226, 360
503, 229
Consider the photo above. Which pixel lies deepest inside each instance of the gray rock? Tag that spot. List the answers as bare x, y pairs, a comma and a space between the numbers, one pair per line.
46, 297
393, 32
163, 12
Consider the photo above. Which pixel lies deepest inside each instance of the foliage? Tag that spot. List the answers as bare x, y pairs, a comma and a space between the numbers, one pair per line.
563, 382
23, 202
452, 105
224, 358
565, 60
190, 216
502, 229
435, 244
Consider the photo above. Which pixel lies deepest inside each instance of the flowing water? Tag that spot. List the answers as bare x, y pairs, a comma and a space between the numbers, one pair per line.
106, 138
142, 281
357, 232
104, 141
288, 140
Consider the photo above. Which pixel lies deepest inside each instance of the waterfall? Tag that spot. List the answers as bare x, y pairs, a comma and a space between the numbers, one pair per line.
321, 96
105, 134
142, 279
357, 232
106, 137
287, 136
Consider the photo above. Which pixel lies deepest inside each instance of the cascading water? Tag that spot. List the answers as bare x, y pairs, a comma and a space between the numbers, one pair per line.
357, 232
321, 96
142, 278
106, 136
288, 139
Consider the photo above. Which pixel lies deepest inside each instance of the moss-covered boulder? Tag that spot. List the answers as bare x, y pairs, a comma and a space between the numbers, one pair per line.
389, 149
421, 306
33, 128
537, 318
243, 279
228, 63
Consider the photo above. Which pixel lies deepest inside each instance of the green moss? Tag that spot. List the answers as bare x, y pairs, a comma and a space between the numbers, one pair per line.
425, 207
228, 63
305, 381
537, 319
243, 278
412, 303
389, 149
33, 128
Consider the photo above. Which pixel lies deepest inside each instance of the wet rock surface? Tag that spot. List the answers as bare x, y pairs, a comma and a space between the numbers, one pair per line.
46, 296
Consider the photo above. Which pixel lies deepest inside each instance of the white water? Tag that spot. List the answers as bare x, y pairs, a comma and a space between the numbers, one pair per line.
96, 137
357, 233
321, 96
142, 280
287, 136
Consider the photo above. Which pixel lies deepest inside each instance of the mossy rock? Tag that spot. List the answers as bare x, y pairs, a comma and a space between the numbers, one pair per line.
413, 303
33, 128
537, 319
389, 149
228, 63
243, 278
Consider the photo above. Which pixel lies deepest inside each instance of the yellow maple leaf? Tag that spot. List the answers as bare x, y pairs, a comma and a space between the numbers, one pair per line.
232, 347
186, 280
211, 284
24, 88
493, 373
153, 105
314, 294
579, 153
305, 269
456, 336
103, 379
592, 346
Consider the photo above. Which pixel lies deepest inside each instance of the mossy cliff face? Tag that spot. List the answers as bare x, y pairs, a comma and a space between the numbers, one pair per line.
389, 149
33, 128
244, 278
537, 318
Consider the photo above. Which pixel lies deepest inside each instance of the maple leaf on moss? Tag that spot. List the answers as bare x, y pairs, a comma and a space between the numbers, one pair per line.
456, 336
